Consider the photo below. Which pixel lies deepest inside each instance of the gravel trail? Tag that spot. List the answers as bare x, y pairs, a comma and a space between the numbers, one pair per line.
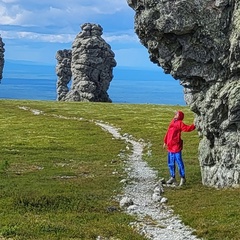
155, 220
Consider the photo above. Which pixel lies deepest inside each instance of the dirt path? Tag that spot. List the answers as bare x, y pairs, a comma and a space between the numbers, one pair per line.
154, 219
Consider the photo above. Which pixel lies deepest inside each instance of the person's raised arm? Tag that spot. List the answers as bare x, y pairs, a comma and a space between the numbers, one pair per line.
187, 128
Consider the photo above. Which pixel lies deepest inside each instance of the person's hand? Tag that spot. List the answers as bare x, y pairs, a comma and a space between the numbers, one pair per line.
164, 145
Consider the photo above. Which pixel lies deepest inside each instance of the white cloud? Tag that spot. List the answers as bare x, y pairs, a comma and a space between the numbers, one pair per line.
57, 22
12, 15
63, 38
26, 12
31, 36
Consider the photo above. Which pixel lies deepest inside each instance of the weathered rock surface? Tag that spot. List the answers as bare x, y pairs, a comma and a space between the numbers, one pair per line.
2, 50
63, 71
92, 65
198, 43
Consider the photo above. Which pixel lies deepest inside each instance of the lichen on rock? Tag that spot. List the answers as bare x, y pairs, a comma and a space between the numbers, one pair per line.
198, 43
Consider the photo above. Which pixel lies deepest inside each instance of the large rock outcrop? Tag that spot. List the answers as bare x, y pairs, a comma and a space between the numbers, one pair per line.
198, 43
92, 63
2, 50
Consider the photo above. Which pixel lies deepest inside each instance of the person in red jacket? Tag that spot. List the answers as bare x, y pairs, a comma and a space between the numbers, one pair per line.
174, 144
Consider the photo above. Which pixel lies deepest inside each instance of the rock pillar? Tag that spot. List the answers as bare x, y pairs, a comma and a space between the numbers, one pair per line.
2, 50
92, 65
64, 73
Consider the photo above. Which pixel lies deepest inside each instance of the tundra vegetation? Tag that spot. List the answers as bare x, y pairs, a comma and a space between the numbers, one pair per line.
60, 172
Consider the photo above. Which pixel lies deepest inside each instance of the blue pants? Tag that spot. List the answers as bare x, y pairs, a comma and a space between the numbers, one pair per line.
172, 159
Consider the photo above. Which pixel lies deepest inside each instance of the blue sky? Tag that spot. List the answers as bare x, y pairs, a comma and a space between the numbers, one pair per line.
35, 30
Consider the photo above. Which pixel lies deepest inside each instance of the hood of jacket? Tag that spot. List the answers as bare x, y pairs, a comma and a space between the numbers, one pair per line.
180, 115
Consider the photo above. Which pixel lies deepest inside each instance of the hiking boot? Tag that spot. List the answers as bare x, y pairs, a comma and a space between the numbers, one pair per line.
182, 182
171, 181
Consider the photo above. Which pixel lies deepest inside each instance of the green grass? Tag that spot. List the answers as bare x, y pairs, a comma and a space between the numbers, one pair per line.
57, 168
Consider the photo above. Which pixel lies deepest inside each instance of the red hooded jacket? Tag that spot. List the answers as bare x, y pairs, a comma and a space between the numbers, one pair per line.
173, 136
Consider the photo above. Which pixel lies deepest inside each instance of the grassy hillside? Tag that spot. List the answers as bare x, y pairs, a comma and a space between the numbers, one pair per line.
60, 172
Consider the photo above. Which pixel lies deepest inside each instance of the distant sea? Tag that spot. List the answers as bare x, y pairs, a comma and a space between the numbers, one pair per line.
33, 82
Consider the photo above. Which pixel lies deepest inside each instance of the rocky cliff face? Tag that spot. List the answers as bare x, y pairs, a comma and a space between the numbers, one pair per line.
2, 50
91, 63
198, 43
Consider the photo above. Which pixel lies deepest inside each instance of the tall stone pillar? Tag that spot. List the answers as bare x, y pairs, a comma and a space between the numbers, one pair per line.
92, 65
2, 50
64, 73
